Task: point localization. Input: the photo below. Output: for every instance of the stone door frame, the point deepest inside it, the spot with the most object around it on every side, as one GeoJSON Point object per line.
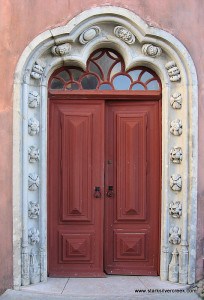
{"type": "Point", "coordinates": [140, 45]}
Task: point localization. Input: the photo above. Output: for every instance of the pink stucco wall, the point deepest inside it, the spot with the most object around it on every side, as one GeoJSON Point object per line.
{"type": "Point", "coordinates": [23, 20]}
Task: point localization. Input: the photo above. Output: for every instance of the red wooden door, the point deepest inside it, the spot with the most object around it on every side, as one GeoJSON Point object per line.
{"type": "Point", "coordinates": [133, 172]}
{"type": "Point", "coordinates": [76, 167]}
{"type": "Point", "coordinates": [77, 221]}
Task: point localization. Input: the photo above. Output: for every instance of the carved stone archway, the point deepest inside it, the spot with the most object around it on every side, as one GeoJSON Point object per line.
{"type": "Point", "coordinates": [139, 44]}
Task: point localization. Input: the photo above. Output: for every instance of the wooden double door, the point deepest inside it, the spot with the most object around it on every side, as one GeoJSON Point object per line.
{"type": "Point", "coordinates": [103, 187]}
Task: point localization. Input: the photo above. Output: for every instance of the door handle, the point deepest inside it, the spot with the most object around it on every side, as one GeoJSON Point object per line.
{"type": "Point", "coordinates": [110, 192]}
{"type": "Point", "coordinates": [97, 192]}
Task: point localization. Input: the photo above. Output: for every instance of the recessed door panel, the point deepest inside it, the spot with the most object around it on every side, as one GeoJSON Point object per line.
{"type": "Point", "coordinates": [76, 167]}
{"type": "Point", "coordinates": [133, 170]}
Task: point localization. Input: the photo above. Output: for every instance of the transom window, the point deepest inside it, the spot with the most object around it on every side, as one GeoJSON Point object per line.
{"type": "Point", "coordinates": [105, 71]}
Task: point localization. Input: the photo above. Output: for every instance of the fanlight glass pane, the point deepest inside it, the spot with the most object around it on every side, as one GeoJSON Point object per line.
{"type": "Point", "coordinates": [146, 76]}
{"type": "Point", "coordinates": [153, 85]}
{"type": "Point", "coordinates": [135, 74]}
{"type": "Point", "coordinates": [64, 75]}
{"type": "Point", "coordinates": [76, 74]}
{"type": "Point", "coordinates": [121, 82]}
{"type": "Point", "coordinates": [93, 68]}
{"type": "Point", "coordinates": [72, 86]}
{"type": "Point", "coordinates": [57, 84]}
{"type": "Point", "coordinates": [89, 82]}
{"type": "Point", "coordinates": [105, 87]}
{"type": "Point", "coordinates": [138, 87]}
{"type": "Point", "coordinates": [105, 62]}
{"type": "Point", "coordinates": [116, 69]}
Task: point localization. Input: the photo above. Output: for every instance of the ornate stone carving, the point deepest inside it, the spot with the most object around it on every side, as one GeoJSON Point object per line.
{"type": "Point", "coordinates": [176, 155]}
{"type": "Point", "coordinates": [33, 99]}
{"type": "Point", "coordinates": [37, 71]}
{"type": "Point", "coordinates": [174, 267]}
{"type": "Point", "coordinates": [33, 154]}
{"type": "Point", "coordinates": [124, 34]}
{"type": "Point", "coordinates": [34, 236]}
{"type": "Point", "coordinates": [89, 34]}
{"type": "Point", "coordinates": [61, 50]}
{"type": "Point", "coordinates": [34, 268]}
{"type": "Point", "coordinates": [33, 181]}
{"type": "Point", "coordinates": [151, 50]}
{"type": "Point", "coordinates": [173, 71]}
{"type": "Point", "coordinates": [176, 100]}
{"type": "Point", "coordinates": [33, 210]}
{"type": "Point", "coordinates": [175, 209]}
{"type": "Point", "coordinates": [176, 182]}
{"type": "Point", "coordinates": [33, 126]}
{"type": "Point", "coordinates": [176, 127]}
{"type": "Point", "coordinates": [175, 235]}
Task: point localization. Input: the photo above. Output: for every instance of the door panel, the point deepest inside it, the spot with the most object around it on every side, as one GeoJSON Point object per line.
{"type": "Point", "coordinates": [76, 166]}
{"type": "Point", "coordinates": [133, 169]}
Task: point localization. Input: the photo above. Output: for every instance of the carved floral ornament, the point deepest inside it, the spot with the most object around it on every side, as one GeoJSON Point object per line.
{"type": "Point", "coordinates": [89, 34]}
{"type": "Point", "coordinates": [176, 100]}
{"type": "Point", "coordinates": [33, 181]}
{"type": "Point", "coordinates": [33, 154]}
{"type": "Point", "coordinates": [175, 235]}
{"type": "Point", "coordinates": [176, 127]}
{"type": "Point", "coordinates": [175, 209]}
{"type": "Point", "coordinates": [173, 71]}
{"type": "Point", "coordinates": [33, 126]}
{"type": "Point", "coordinates": [33, 99]}
{"type": "Point", "coordinates": [33, 210]}
{"type": "Point", "coordinates": [34, 236]}
{"type": "Point", "coordinates": [37, 70]}
{"type": "Point", "coordinates": [176, 155]}
{"type": "Point", "coordinates": [151, 50]}
{"type": "Point", "coordinates": [176, 182]}
{"type": "Point", "coordinates": [124, 34]}
{"type": "Point", "coordinates": [61, 50]}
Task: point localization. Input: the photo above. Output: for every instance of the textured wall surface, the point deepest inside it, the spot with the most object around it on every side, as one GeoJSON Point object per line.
{"type": "Point", "coordinates": [21, 21]}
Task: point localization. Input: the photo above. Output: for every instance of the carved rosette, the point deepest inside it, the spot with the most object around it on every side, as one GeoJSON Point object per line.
{"type": "Point", "coordinates": [34, 268]}
{"type": "Point", "coordinates": [175, 209]}
{"type": "Point", "coordinates": [124, 34]}
{"type": "Point", "coordinates": [151, 50]}
{"type": "Point", "coordinates": [176, 182]}
{"type": "Point", "coordinates": [176, 155]}
{"type": "Point", "coordinates": [176, 100]}
{"type": "Point", "coordinates": [33, 210]}
{"type": "Point", "coordinates": [34, 236]}
{"type": "Point", "coordinates": [176, 127]}
{"type": "Point", "coordinates": [33, 154]}
{"type": "Point", "coordinates": [33, 181]}
{"type": "Point", "coordinates": [174, 267]}
{"type": "Point", "coordinates": [61, 50]}
{"type": "Point", "coordinates": [33, 126]}
{"type": "Point", "coordinates": [37, 71]}
{"type": "Point", "coordinates": [33, 99]}
{"type": "Point", "coordinates": [173, 71]}
{"type": "Point", "coordinates": [89, 34]}
{"type": "Point", "coordinates": [175, 235]}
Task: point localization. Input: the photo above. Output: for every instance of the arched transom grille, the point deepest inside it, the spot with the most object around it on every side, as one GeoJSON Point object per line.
{"type": "Point", "coordinates": [105, 71]}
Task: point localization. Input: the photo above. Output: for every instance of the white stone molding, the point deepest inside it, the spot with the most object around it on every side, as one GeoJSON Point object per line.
{"type": "Point", "coordinates": [176, 182]}
{"type": "Point", "coordinates": [33, 154]}
{"type": "Point", "coordinates": [175, 209]}
{"type": "Point", "coordinates": [173, 71]}
{"type": "Point", "coordinates": [33, 99]}
{"type": "Point", "coordinates": [33, 126]}
{"type": "Point", "coordinates": [174, 267]}
{"type": "Point", "coordinates": [151, 50]}
{"type": "Point", "coordinates": [176, 127]}
{"type": "Point", "coordinates": [89, 34]}
{"type": "Point", "coordinates": [176, 100]}
{"type": "Point", "coordinates": [37, 71]}
{"type": "Point", "coordinates": [61, 50]}
{"type": "Point", "coordinates": [34, 236]}
{"type": "Point", "coordinates": [34, 268]}
{"type": "Point", "coordinates": [33, 181]}
{"type": "Point", "coordinates": [124, 34]}
{"type": "Point", "coordinates": [33, 210]}
{"type": "Point", "coordinates": [38, 62]}
{"type": "Point", "coordinates": [175, 235]}
{"type": "Point", "coordinates": [176, 155]}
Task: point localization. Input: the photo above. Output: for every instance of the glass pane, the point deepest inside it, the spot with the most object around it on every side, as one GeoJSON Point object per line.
{"type": "Point", "coordinates": [121, 82]}
{"type": "Point", "coordinates": [89, 82]}
{"type": "Point", "coordinates": [106, 87]}
{"type": "Point", "coordinates": [97, 54]}
{"type": "Point", "coordinates": [56, 84]}
{"type": "Point", "coordinates": [138, 87]}
{"type": "Point", "coordinates": [72, 86]}
{"type": "Point", "coordinates": [105, 62]}
{"type": "Point", "coordinates": [64, 75]}
{"type": "Point", "coordinates": [146, 76]}
{"type": "Point", "coordinates": [113, 55]}
{"type": "Point", "coordinates": [93, 68]}
{"type": "Point", "coordinates": [116, 69]}
{"type": "Point", "coordinates": [135, 74]}
{"type": "Point", "coordinates": [153, 85]}
{"type": "Point", "coordinates": [76, 74]}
